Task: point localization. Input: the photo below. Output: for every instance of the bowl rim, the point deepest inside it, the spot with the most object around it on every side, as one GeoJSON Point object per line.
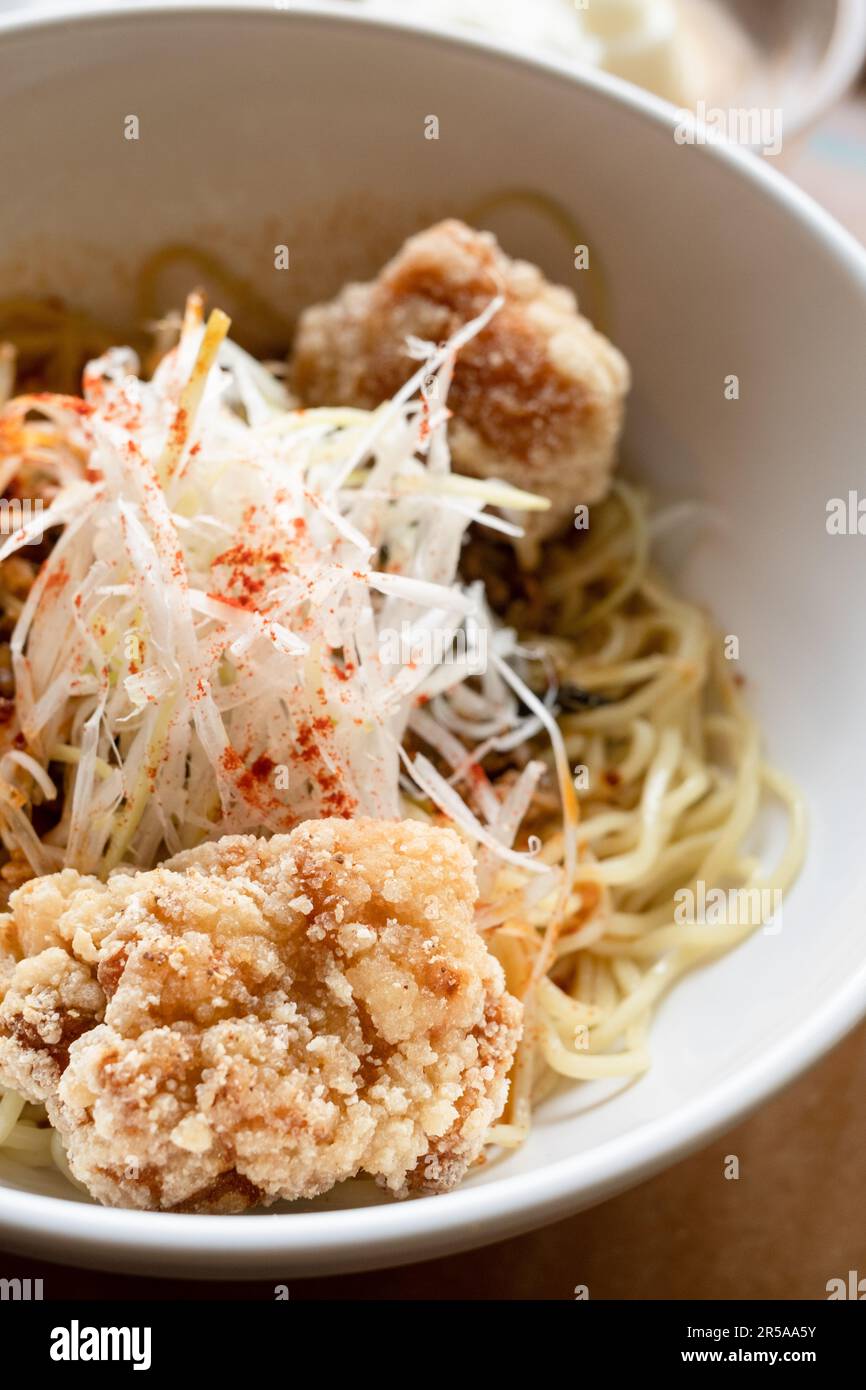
{"type": "Point", "coordinates": [839, 65]}
{"type": "Point", "coordinates": [369, 1237]}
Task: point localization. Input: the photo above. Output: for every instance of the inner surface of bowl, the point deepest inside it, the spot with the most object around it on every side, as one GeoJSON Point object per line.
{"type": "Point", "coordinates": [261, 129]}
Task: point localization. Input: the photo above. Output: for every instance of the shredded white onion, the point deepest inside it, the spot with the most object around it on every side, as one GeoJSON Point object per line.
{"type": "Point", "coordinates": [247, 607]}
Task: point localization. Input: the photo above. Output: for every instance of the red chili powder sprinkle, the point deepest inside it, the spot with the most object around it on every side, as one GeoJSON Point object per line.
{"type": "Point", "coordinates": [58, 579]}
{"type": "Point", "coordinates": [335, 801]}
{"type": "Point", "coordinates": [69, 402]}
{"type": "Point", "coordinates": [232, 602]}
{"type": "Point", "coordinates": [231, 760]}
{"type": "Point", "coordinates": [178, 424]}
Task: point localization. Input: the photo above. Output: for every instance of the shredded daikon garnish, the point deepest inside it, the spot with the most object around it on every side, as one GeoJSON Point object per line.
{"type": "Point", "coordinates": [246, 606]}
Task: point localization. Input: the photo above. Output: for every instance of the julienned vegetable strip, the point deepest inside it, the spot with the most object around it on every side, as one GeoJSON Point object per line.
{"type": "Point", "coordinates": [218, 540]}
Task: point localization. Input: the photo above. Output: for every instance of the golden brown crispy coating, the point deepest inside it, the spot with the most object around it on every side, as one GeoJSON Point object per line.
{"type": "Point", "coordinates": [48, 993]}
{"type": "Point", "coordinates": [263, 1018]}
{"type": "Point", "coordinates": [537, 396]}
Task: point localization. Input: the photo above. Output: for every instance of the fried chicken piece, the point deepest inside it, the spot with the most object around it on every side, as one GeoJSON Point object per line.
{"type": "Point", "coordinates": [537, 396]}
{"type": "Point", "coordinates": [261, 1019]}
{"type": "Point", "coordinates": [49, 994]}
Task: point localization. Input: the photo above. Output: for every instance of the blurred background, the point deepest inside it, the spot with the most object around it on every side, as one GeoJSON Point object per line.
{"type": "Point", "coordinates": [801, 59]}
{"type": "Point", "coordinates": [795, 1217]}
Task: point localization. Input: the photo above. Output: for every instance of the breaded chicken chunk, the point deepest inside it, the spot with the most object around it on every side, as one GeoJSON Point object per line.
{"type": "Point", "coordinates": [260, 1019]}
{"type": "Point", "coordinates": [537, 396]}
{"type": "Point", "coordinates": [49, 994]}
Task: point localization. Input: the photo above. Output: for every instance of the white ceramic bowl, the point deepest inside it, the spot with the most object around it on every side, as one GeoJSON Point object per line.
{"type": "Point", "coordinates": [260, 127]}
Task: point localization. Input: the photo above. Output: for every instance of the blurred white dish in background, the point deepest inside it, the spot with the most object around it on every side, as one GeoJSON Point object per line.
{"type": "Point", "coordinates": [643, 41]}
{"type": "Point", "coordinates": [797, 55]}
